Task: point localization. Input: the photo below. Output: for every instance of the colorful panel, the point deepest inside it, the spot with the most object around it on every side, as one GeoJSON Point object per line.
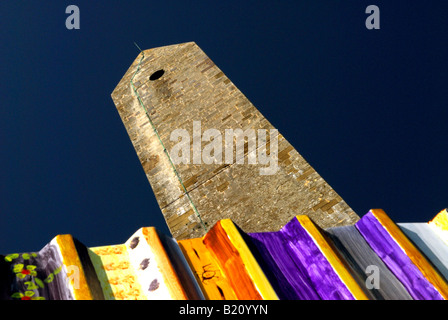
{"type": "Point", "coordinates": [308, 264]}
{"type": "Point", "coordinates": [235, 259]}
{"type": "Point", "coordinates": [427, 241]}
{"type": "Point", "coordinates": [116, 273]}
{"type": "Point", "coordinates": [182, 268]}
{"type": "Point", "coordinates": [360, 256]}
{"type": "Point", "coordinates": [401, 257]}
{"type": "Point", "coordinates": [169, 279]}
{"type": "Point", "coordinates": [440, 225]}
{"type": "Point", "coordinates": [83, 276]}
{"type": "Point", "coordinates": [213, 282]}
{"type": "Point", "coordinates": [332, 257]}
{"type": "Point", "coordinates": [140, 269]}
{"type": "Point", "coordinates": [289, 278]}
{"type": "Point", "coordinates": [57, 272]}
{"type": "Point", "coordinates": [70, 259]}
{"type": "Point", "coordinates": [35, 276]}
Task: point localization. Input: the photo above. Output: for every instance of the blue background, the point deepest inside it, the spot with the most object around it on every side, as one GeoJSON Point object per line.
{"type": "Point", "coordinates": [366, 108]}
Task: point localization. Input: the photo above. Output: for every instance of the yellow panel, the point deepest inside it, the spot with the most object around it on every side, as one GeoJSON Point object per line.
{"type": "Point", "coordinates": [170, 277]}
{"type": "Point", "coordinates": [412, 252]}
{"type": "Point", "coordinates": [116, 274]}
{"type": "Point", "coordinates": [212, 280]}
{"type": "Point", "coordinates": [337, 264]}
{"type": "Point", "coordinates": [70, 258]}
{"type": "Point", "coordinates": [261, 282]}
{"type": "Point", "coordinates": [440, 225]}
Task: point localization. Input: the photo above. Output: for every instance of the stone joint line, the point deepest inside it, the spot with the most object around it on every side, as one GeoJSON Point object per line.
{"type": "Point", "coordinates": [163, 146]}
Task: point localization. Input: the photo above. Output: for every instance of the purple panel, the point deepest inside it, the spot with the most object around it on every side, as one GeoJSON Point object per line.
{"type": "Point", "coordinates": [286, 277]}
{"type": "Point", "coordinates": [295, 254]}
{"type": "Point", "coordinates": [395, 259]}
{"type": "Point", "coordinates": [302, 249]}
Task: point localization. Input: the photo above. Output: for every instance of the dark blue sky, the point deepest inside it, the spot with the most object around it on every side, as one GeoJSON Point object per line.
{"type": "Point", "coordinates": [366, 108]}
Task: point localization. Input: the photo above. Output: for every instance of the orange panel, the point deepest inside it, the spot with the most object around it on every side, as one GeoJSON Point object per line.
{"type": "Point", "coordinates": [230, 262]}
{"type": "Point", "coordinates": [213, 282]}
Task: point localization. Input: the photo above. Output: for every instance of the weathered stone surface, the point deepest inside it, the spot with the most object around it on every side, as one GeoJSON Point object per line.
{"type": "Point", "coordinates": [192, 89]}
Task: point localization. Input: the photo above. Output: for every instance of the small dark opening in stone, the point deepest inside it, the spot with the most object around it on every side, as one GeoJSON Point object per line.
{"type": "Point", "coordinates": [156, 75]}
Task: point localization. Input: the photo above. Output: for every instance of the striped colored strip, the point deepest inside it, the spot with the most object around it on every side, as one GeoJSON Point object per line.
{"type": "Point", "coordinates": [235, 259]}
{"type": "Point", "coordinates": [79, 286]}
{"type": "Point", "coordinates": [373, 275]}
{"type": "Point", "coordinates": [251, 264]}
{"type": "Point", "coordinates": [401, 256]}
{"type": "Point", "coordinates": [288, 276]}
{"type": "Point", "coordinates": [333, 259]}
